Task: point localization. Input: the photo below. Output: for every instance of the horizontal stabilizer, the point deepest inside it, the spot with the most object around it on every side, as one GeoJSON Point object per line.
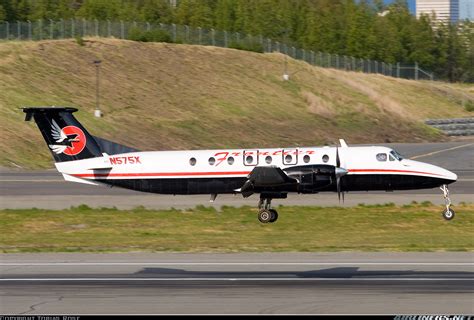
{"type": "Point", "coordinates": [71, 178]}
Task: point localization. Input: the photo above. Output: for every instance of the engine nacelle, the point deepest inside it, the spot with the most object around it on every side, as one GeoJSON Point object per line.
{"type": "Point", "coordinates": [313, 178]}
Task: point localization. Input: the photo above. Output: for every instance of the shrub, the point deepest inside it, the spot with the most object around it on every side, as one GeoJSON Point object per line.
{"type": "Point", "coordinates": [157, 35]}
{"type": "Point", "coordinates": [80, 41]}
{"type": "Point", "coordinates": [469, 105]}
{"type": "Point", "coordinates": [252, 46]}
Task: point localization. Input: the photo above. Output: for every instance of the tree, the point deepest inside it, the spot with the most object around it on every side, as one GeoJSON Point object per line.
{"type": "Point", "coordinates": [452, 53]}
{"type": "Point", "coordinates": [387, 44]}
{"type": "Point", "coordinates": [3, 14]}
{"type": "Point", "coordinates": [100, 9]}
{"type": "Point", "coordinates": [157, 11]}
{"type": "Point", "coordinates": [326, 26]}
{"type": "Point", "coordinates": [360, 35]}
{"type": "Point", "coordinates": [45, 9]}
{"type": "Point", "coordinates": [243, 16]}
{"type": "Point", "coordinates": [401, 20]}
{"type": "Point", "coordinates": [467, 38]}
{"type": "Point", "coordinates": [423, 43]}
{"type": "Point", "coordinates": [196, 13]}
{"type": "Point", "coordinates": [225, 15]}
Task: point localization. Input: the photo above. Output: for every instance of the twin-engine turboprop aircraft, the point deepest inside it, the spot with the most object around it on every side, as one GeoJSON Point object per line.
{"type": "Point", "coordinates": [271, 173]}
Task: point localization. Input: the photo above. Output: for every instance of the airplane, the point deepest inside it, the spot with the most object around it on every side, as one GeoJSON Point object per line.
{"type": "Point", "coordinates": [271, 173]}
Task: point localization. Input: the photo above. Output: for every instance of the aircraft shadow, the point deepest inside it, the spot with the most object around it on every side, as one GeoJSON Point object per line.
{"type": "Point", "coordinates": [338, 272]}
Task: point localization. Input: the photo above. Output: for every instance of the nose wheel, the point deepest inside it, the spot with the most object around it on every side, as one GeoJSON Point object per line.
{"type": "Point", "coordinates": [266, 214]}
{"type": "Point", "coordinates": [448, 213]}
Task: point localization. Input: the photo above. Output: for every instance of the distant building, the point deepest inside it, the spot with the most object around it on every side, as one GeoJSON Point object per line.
{"type": "Point", "coordinates": [444, 11]}
{"type": "Point", "coordinates": [466, 9]}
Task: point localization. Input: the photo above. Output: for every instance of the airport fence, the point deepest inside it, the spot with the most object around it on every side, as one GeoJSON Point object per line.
{"type": "Point", "coordinates": [73, 28]}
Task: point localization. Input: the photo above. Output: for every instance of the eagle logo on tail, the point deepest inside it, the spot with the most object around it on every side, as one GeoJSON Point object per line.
{"type": "Point", "coordinates": [70, 140]}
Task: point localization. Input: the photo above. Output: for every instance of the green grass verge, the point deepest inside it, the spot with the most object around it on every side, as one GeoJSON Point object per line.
{"type": "Point", "coordinates": [415, 227]}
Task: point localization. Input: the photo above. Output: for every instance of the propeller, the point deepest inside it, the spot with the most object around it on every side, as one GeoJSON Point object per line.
{"type": "Point", "coordinates": [339, 173]}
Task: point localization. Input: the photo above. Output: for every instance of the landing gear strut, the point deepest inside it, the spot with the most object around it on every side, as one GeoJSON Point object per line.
{"type": "Point", "coordinates": [448, 213]}
{"type": "Point", "coordinates": [266, 214]}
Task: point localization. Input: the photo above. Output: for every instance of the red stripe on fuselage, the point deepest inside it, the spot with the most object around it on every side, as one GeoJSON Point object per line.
{"type": "Point", "coordinates": [159, 174]}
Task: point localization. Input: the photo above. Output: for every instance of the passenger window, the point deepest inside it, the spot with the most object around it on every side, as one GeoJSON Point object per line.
{"type": "Point", "coordinates": [192, 161]}
{"type": "Point", "coordinates": [212, 160]}
{"type": "Point", "coordinates": [268, 160]}
{"type": "Point", "coordinates": [249, 159]}
{"type": "Point", "coordinates": [381, 156]}
{"type": "Point", "coordinates": [306, 159]}
{"type": "Point", "coordinates": [288, 158]}
{"type": "Point", "coordinates": [230, 160]}
{"type": "Point", "coordinates": [325, 158]}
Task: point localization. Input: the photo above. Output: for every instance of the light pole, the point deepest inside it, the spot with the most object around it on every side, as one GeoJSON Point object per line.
{"type": "Point", "coordinates": [286, 76]}
{"type": "Point", "coordinates": [97, 112]}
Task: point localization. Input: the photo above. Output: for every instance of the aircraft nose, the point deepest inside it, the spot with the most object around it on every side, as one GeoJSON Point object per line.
{"type": "Point", "coordinates": [451, 175]}
{"type": "Point", "coordinates": [448, 175]}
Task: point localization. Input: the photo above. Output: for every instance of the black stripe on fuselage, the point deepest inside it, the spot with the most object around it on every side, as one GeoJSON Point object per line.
{"type": "Point", "coordinates": [359, 182]}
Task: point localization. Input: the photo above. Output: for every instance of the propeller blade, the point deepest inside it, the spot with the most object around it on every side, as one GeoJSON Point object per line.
{"type": "Point", "coordinates": [339, 173]}
{"type": "Point", "coordinates": [338, 186]}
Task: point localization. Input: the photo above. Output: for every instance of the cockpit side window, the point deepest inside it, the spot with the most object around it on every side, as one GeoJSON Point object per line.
{"type": "Point", "coordinates": [381, 156]}
{"type": "Point", "coordinates": [396, 155]}
{"type": "Point", "coordinates": [391, 157]}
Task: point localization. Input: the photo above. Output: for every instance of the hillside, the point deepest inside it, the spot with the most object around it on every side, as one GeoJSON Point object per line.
{"type": "Point", "coordinates": [167, 96]}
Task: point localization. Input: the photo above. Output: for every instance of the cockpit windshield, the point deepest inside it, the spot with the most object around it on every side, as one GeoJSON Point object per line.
{"type": "Point", "coordinates": [396, 155]}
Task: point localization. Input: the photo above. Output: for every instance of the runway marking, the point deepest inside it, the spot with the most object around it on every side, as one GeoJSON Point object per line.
{"type": "Point", "coordinates": [235, 279]}
{"type": "Point", "coordinates": [237, 263]}
{"type": "Point", "coordinates": [439, 151]}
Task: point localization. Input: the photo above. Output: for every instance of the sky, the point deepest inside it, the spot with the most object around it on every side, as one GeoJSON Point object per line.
{"type": "Point", "coordinates": [466, 7]}
{"type": "Point", "coordinates": [411, 5]}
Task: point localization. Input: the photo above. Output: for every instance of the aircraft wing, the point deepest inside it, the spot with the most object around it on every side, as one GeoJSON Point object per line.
{"type": "Point", "coordinates": [261, 177]}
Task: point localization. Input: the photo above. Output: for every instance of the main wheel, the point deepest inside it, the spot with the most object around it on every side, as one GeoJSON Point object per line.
{"type": "Point", "coordinates": [264, 216]}
{"type": "Point", "coordinates": [274, 215]}
{"type": "Point", "coordinates": [448, 214]}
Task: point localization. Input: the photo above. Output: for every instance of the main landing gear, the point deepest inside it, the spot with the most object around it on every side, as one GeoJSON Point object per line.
{"type": "Point", "coordinates": [266, 214]}
{"type": "Point", "coordinates": [448, 213]}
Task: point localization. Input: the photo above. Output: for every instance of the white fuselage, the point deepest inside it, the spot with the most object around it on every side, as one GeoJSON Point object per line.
{"type": "Point", "coordinates": [238, 163]}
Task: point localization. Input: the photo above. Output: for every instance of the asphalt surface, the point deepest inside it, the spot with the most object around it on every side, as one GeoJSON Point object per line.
{"type": "Point", "coordinates": [47, 189]}
{"type": "Point", "coordinates": [276, 283]}
{"type": "Point", "coordinates": [252, 283]}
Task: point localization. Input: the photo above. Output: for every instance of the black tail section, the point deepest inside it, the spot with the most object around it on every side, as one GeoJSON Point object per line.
{"type": "Point", "coordinates": [66, 138]}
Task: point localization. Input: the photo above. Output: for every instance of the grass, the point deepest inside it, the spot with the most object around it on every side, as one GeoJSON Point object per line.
{"type": "Point", "coordinates": [415, 227]}
{"type": "Point", "coordinates": [158, 96]}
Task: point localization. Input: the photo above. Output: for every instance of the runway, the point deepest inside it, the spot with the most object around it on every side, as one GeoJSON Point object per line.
{"type": "Point", "coordinates": [47, 189]}
{"type": "Point", "coordinates": [244, 283]}
{"type": "Point", "coordinates": [241, 283]}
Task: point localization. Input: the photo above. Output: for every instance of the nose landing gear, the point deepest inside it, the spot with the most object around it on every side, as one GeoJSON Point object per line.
{"type": "Point", "coordinates": [448, 213]}
{"type": "Point", "coordinates": [266, 214]}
